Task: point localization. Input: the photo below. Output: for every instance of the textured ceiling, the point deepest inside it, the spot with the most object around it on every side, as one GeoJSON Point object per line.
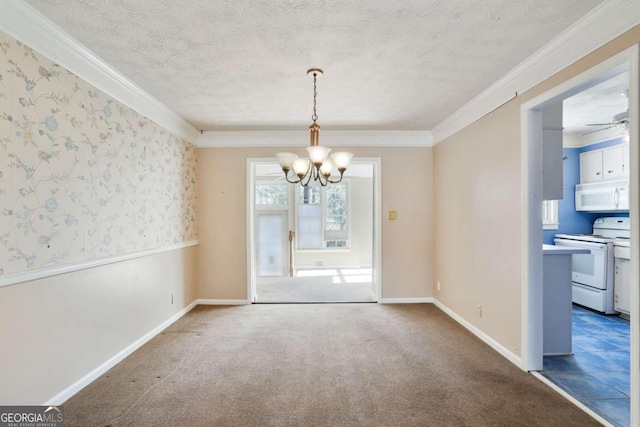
{"type": "Point", "coordinates": [241, 64]}
{"type": "Point", "coordinates": [596, 105]}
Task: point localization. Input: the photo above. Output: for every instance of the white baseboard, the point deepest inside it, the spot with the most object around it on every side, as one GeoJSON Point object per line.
{"type": "Point", "coordinates": [421, 300]}
{"type": "Point", "coordinates": [513, 358]}
{"type": "Point", "coordinates": [65, 394]}
{"type": "Point", "coordinates": [571, 399]}
{"type": "Point", "coordinates": [222, 302]}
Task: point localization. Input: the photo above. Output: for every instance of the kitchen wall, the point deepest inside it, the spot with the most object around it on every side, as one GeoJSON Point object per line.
{"type": "Point", "coordinates": [83, 178]}
{"type": "Point", "coordinates": [407, 243]}
{"type": "Point", "coordinates": [571, 221]}
{"type": "Point", "coordinates": [478, 211]}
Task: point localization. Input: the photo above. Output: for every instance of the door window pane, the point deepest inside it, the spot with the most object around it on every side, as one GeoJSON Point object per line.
{"type": "Point", "coordinates": [272, 194]}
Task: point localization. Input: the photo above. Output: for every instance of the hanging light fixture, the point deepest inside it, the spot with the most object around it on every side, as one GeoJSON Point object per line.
{"type": "Point", "coordinates": [318, 166]}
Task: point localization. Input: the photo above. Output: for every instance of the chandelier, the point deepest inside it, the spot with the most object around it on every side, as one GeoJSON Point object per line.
{"type": "Point", "coordinates": [318, 167]}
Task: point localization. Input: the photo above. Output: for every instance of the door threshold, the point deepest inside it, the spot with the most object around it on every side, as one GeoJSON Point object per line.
{"type": "Point", "coordinates": [314, 302]}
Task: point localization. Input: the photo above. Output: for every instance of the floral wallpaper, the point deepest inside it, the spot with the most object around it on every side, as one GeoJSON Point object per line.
{"type": "Point", "coordinates": [81, 175]}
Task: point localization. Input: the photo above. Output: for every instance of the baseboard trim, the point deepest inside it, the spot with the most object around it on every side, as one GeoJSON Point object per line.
{"type": "Point", "coordinates": [506, 353]}
{"type": "Point", "coordinates": [571, 399]}
{"type": "Point", "coordinates": [74, 388]}
{"type": "Point", "coordinates": [222, 302]}
{"type": "Point", "coordinates": [421, 300]}
{"type": "Point", "coordinates": [41, 273]}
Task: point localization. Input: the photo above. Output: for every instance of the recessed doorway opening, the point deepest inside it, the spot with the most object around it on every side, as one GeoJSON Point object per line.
{"type": "Point", "coordinates": [598, 350]}
{"type": "Point", "coordinates": [313, 243]}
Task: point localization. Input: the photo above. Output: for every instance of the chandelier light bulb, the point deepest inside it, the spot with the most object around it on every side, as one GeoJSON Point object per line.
{"type": "Point", "coordinates": [342, 159]}
{"type": "Point", "coordinates": [301, 166]}
{"type": "Point", "coordinates": [286, 159]}
{"type": "Point", "coordinates": [318, 154]}
{"type": "Point", "coordinates": [327, 167]}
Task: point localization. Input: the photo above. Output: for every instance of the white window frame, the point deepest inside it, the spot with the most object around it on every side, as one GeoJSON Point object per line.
{"type": "Point", "coordinates": [323, 204]}
{"type": "Point", "coordinates": [550, 215]}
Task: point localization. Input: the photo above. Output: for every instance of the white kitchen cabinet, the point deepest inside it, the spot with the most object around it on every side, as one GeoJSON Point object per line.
{"type": "Point", "coordinates": [622, 278]}
{"type": "Point", "coordinates": [591, 166]}
{"type": "Point", "coordinates": [622, 286]}
{"type": "Point", "coordinates": [552, 164]}
{"type": "Point", "coordinates": [613, 162]}
{"type": "Point", "coordinates": [608, 164]}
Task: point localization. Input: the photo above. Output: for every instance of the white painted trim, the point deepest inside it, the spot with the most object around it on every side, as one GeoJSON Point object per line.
{"type": "Point", "coordinates": [601, 136]}
{"type": "Point", "coordinates": [24, 23]}
{"type": "Point", "coordinates": [74, 388]}
{"type": "Point", "coordinates": [571, 399]}
{"type": "Point", "coordinates": [41, 273]}
{"type": "Point", "coordinates": [531, 161]}
{"type": "Point", "coordinates": [331, 138]}
{"type": "Point", "coordinates": [513, 358]}
{"type": "Point", "coordinates": [202, 301]}
{"type": "Point", "coordinates": [420, 300]}
{"type": "Point", "coordinates": [376, 271]}
{"type": "Point", "coordinates": [634, 214]}
{"type": "Point", "coordinates": [604, 23]}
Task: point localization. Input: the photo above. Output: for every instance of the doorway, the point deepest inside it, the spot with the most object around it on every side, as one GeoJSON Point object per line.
{"type": "Point", "coordinates": [534, 180]}
{"type": "Point", "coordinates": [313, 244]}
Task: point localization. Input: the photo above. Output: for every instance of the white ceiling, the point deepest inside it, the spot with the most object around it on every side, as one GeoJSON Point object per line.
{"type": "Point", "coordinates": [596, 105]}
{"type": "Point", "coordinates": [241, 64]}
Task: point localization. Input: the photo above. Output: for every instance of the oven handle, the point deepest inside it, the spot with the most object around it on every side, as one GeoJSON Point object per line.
{"type": "Point", "coordinates": [579, 244]}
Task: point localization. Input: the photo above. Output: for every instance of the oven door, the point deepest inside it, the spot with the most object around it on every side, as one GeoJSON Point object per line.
{"type": "Point", "coordinates": [588, 269]}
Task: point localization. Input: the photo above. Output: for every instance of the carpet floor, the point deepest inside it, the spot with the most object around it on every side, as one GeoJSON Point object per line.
{"type": "Point", "coordinates": [318, 365]}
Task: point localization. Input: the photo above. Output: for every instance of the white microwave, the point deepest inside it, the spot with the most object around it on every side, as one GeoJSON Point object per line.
{"type": "Point", "coordinates": [607, 196]}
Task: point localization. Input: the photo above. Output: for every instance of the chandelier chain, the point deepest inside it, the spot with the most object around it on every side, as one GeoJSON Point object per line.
{"type": "Point", "coordinates": [315, 94]}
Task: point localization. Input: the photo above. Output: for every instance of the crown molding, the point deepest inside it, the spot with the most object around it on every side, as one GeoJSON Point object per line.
{"type": "Point", "coordinates": [602, 135]}
{"type": "Point", "coordinates": [604, 23]}
{"type": "Point", "coordinates": [24, 23]}
{"type": "Point", "coordinates": [333, 138]}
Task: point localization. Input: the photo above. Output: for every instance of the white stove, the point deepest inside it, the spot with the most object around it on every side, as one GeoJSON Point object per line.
{"type": "Point", "coordinates": [586, 238]}
{"type": "Point", "coordinates": [592, 275]}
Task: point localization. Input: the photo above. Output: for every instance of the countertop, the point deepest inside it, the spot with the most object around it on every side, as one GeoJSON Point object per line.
{"type": "Point", "coordinates": [563, 250]}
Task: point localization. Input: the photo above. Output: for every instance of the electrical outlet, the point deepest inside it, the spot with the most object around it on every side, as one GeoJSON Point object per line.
{"type": "Point", "coordinates": [479, 310]}
{"type": "Point", "coordinates": [438, 286]}
{"type": "Point", "coordinates": [172, 298]}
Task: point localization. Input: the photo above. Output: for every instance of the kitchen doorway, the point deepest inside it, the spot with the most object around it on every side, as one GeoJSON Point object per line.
{"type": "Point", "coordinates": [535, 163]}
{"type": "Point", "coordinates": [313, 244]}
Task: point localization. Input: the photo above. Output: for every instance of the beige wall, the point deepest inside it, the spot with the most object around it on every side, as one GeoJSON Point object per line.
{"type": "Point", "coordinates": [407, 250]}
{"type": "Point", "coordinates": [478, 211]}
{"type": "Point", "coordinates": [54, 331]}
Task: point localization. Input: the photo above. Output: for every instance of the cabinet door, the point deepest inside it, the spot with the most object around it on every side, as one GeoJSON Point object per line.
{"type": "Point", "coordinates": [622, 286]}
{"type": "Point", "coordinates": [552, 164]}
{"type": "Point", "coordinates": [625, 160]}
{"type": "Point", "coordinates": [613, 162]}
{"type": "Point", "coordinates": [591, 166]}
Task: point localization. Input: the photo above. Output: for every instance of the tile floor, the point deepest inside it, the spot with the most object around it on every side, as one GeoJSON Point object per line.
{"type": "Point", "coordinates": [598, 373]}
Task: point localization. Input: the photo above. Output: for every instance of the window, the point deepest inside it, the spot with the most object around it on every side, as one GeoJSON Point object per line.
{"type": "Point", "coordinates": [550, 214]}
{"type": "Point", "coordinates": [323, 217]}
{"type": "Point", "coordinates": [272, 194]}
